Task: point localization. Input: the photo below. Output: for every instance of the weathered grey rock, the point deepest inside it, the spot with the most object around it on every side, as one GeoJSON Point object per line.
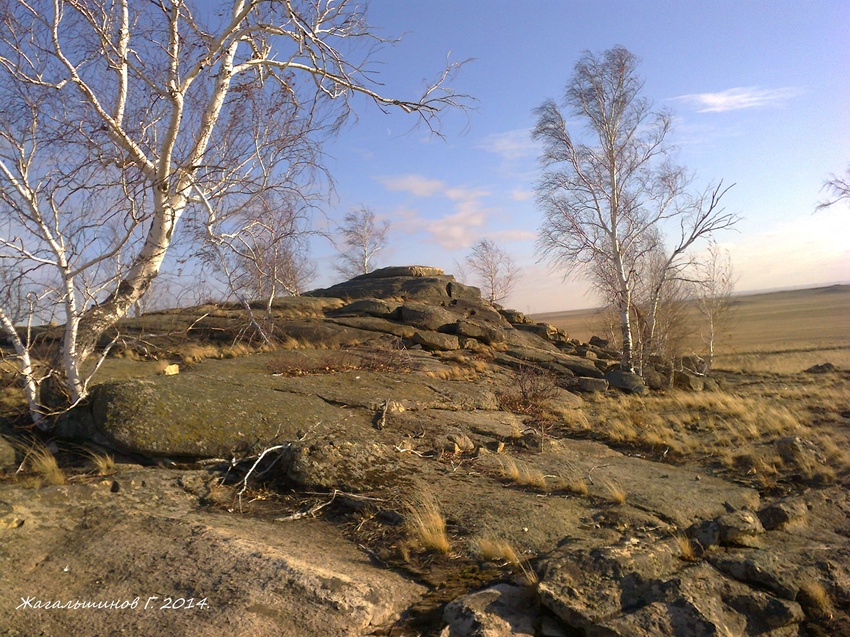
{"type": "Point", "coordinates": [627, 381]}
{"type": "Point", "coordinates": [427, 317]}
{"type": "Point", "coordinates": [325, 334]}
{"type": "Point", "coordinates": [353, 466]}
{"type": "Point", "coordinates": [432, 289]}
{"type": "Point", "coordinates": [402, 270]}
{"type": "Point", "coordinates": [436, 341]}
{"type": "Point", "coordinates": [655, 379]}
{"type": "Point", "coordinates": [149, 540]}
{"type": "Point", "coordinates": [783, 512]}
{"type": "Point", "coordinates": [461, 292]}
{"type": "Point", "coordinates": [514, 317]}
{"type": "Point", "coordinates": [582, 383]}
{"type": "Point", "coordinates": [375, 324]}
{"type": "Point", "coordinates": [542, 330]}
{"type": "Point", "coordinates": [688, 381]}
{"type": "Point", "coordinates": [369, 307]}
{"type": "Point", "coordinates": [479, 330]}
{"type": "Point", "coordinates": [193, 415]}
{"type": "Point", "coordinates": [503, 610]}
{"type": "Point", "coordinates": [7, 455]}
{"type": "Point", "coordinates": [598, 342]}
{"type": "Point", "coordinates": [638, 589]}
{"type": "Point", "coordinates": [580, 366]}
{"type": "Point", "coordinates": [760, 568]}
{"type": "Point", "coordinates": [739, 528]}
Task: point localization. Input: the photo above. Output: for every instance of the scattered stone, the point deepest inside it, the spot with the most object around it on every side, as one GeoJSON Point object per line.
{"type": "Point", "coordinates": [783, 512]}
{"type": "Point", "coordinates": [503, 610]}
{"type": "Point", "coordinates": [688, 381]}
{"type": "Point", "coordinates": [627, 381]}
{"type": "Point", "coordinates": [171, 370]}
{"type": "Point", "coordinates": [739, 528]}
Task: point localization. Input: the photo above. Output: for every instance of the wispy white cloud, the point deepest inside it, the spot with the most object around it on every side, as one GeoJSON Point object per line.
{"type": "Point", "coordinates": [510, 145]}
{"type": "Point", "coordinates": [738, 98]}
{"type": "Point", "coordinates": [417, 185]}
{"type": "Point", "coordinates": [521, 194]}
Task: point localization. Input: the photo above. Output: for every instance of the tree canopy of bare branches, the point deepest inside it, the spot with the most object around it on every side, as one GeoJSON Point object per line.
{"type": "Point", "coordinates": [607, 202]}
{"type": "Point", "coordinates": [838, 189]}
{"type": "Point", "coordinates": [122, 121]}
{"type": "Point", "coordinates": [494, 270]}
{"type": "Point", "coordinates": [362, 238]}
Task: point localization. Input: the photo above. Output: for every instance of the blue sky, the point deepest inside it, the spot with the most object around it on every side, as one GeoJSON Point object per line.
{"type": "Point", "coordinates": [760, 91]}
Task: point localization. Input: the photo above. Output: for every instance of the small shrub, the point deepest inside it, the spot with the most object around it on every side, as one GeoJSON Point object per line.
{"type": "Point", "coordinates": [535, 387]}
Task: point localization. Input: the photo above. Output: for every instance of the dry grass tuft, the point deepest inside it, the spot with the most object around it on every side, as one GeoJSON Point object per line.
{"type": "Point", "coordinates": [531, 477]}
{"type": "Point", "coordinates": [578, 486]}
{"type": "Point", "coordinates": [103, 463]}
{"type": "Point", "coordinates": [426, 525]}
{"type": "Point", "coordinates": [493, 549]}
{"type": "Point", "coordinates": [521, 473]}
{"type": "Point", "coordinates": [509, 468]}
{"type": "Point", "coordinates": [40, 461]}
{"type": "Point", "coordinates": [685, 547]}
{"type": "Point", "coordinates": [196, 352]}
{"type": "Point", "coordinates": [814, 596]}
{"type": "Point", "coordinates": [616, 493]}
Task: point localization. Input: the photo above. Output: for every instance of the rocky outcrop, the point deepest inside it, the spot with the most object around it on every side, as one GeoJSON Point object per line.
{"type": "Point", "coordinates": [396, 383]}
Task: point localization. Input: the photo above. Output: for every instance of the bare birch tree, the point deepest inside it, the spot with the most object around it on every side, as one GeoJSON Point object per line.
{"type": "Point", "coordinates": [607, 202]}
{"type": "Point", "coordinates": [362, 238]}
{"type": "Point", "coordinates": [713, 288]}
{"type": "Point", "coordinates": [140, 115]}
{"type": "Point", "coordinates": [493, 269]}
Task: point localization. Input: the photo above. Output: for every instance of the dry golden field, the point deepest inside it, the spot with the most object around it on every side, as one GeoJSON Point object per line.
{"type": "Point", "coordinates": [782, 332]}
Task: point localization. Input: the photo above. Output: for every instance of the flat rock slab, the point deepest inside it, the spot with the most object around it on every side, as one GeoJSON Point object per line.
{"type": "Point", "coordinates": [87, 543]}
{"type": "Point", "coordinates": [677, 496]}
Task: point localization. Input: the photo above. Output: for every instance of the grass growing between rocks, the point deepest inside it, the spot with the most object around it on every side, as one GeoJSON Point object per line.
{"type": "Point", "coordinates": [40, 461]}
{"type": "Point", "coordinates": [735, 430]}
{"type": "Point", "coordinates": [426, 525]}
{"type": "Point", "coordinates": [493, 549]}
{"type": "Point", "coordinates": [102, 463]}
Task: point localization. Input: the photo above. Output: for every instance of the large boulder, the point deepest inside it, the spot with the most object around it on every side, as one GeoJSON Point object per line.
{"type": "Point", "coordinates": [627, 381]}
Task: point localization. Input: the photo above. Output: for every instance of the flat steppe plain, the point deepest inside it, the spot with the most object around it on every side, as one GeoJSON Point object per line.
{"type": "Point", "coordinates": [782, 331]}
